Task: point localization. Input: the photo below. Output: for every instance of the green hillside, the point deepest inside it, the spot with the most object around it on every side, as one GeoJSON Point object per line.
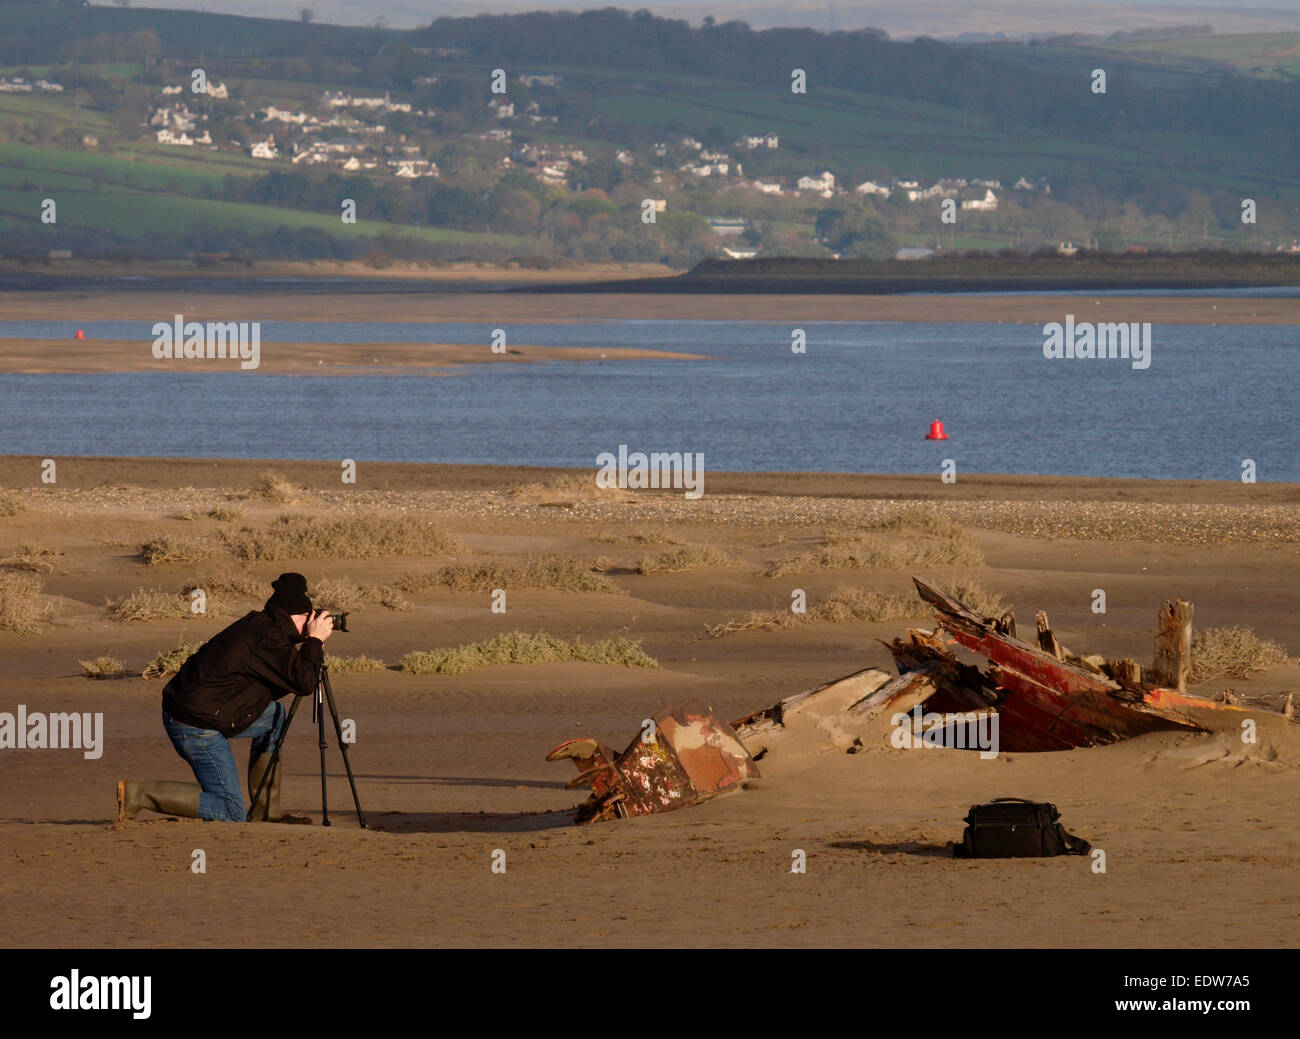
{"type": "Point", "coordinates": [1164, 157]}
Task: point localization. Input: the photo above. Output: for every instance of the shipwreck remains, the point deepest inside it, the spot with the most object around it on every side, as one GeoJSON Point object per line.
{"type": "Point", "coordinates": [685, 754]}
{"type": "Point", "coordinates": [1043, 698]}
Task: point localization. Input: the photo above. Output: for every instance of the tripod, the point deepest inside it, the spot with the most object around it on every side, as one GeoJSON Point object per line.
{"type": "Point", "coordinates": [324, 698]}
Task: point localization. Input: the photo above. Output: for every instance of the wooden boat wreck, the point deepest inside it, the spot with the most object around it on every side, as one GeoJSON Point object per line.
{"type": "Point", "coordinates": [1044, 697]}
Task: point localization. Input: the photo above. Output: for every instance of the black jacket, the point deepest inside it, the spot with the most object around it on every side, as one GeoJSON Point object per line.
{"type": "Point", "coordinates": [236, 674]}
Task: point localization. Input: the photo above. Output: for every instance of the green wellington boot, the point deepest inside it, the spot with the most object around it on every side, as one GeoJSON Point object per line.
{"type": "Point", "coordinates": [163, 796]}
{"type": "Point", "coordinates": [267, 808]}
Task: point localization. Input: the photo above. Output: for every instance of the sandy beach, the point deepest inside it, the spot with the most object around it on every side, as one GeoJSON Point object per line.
{"type": "Point", "coordinates": [1201, 834]}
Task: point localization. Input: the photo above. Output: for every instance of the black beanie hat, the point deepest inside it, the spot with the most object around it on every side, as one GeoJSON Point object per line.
{"type": "Point", "coordinates": [290, 594]}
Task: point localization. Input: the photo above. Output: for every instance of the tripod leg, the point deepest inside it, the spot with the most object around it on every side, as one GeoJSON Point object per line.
{"type": "Point", "coordinates": [320, 725]}
{"type": "Point", "coordinates": [338, 732]}
{"type": "Point", "coordinates": [275, 758]}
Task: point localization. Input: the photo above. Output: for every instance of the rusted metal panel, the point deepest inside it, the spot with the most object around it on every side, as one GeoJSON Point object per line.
{"type": "Point", "coordinates": [688, 755]}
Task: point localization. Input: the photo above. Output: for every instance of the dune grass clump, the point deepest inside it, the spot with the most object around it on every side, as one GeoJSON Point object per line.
{"type": "Point", "coordinates": [102, 667]}
{"type": "Point", "coordinates": [22, 604]}
{"type": "Point", "coordinates": [169, 661]}
{"type": "Point", "coordinates": [229, 582]}
{"type": "Point", "coordinates": [148, 604]}
{"type": "Point", "coordinates": [277, 489]}
{"type": "Point", "coordinates": [683, 559]}
{"type": "Point", "coordinates": [224, 514]}
{"type": "Point", "coordinates": [353, 665]}
{"type": "Point", "coordinates": [168, 549]}
{"type": "Point", "coordinates": [1232, 653]}
{"type": "Point", "coordinates": [537, 571]}
{"type": "Point", "coordinates": [519, 647]}
{"type": "Point", "coordinates": [34, 558]}
{"type": "Point", "coordinates": [918, 518]}
{"type": "Point", "coordinates": [847, 603]}
{"type": "Point", "coordinates": [296, 536]}
{"type": "Point", "coordinates": [567, 490]}
{"type": "Point", "coordinates": [975, 597]}
{"type": "Point", "coordinates": [851, 551]}
{"type": "Point", "coordinates": [10, 505]}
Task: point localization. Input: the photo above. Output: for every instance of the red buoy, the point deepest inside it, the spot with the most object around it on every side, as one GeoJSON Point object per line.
{"type": "Point", "coordinates": [936, 431]}
{"type": "Point", "coordinates": [80, 334]}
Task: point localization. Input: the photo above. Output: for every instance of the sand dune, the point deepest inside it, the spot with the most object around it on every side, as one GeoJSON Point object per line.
{"type": "Point", "coordinates": [1200, 832]}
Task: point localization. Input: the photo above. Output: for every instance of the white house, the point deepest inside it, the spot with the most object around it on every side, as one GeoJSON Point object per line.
{"type": "Point", "coordinates": [870, 187]}
{"type": "Point", "coordinates": [501, 108]}
{"type": "Point", "coordinates": [986, 204]}
{"type": "Point", "coordinates": [767, 187]}
{"type": "Point", "coordinates": [218, 90]}
{"type": "Point", "coordinates": [283, 115]}
{"type": "Point", "coordinates": [265, 149]}
{"type": "Point", "coordinates": [174, 137]}
{"type": "Point", "coordinates": [49, 86]}
{"type": "Point", "coordinates": [771, 140]}
{"type": "Point", "coordinates": [825, 183]}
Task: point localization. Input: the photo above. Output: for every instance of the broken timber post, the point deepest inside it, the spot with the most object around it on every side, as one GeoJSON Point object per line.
{"type": "Point", "coordinates": [1173, 645]}
{"type": "Point", "coordinates": [1046, 640]}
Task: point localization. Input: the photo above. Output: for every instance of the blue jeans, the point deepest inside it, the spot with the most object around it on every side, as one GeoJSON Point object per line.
{"type": "Point", "coordinates": [209, 755]}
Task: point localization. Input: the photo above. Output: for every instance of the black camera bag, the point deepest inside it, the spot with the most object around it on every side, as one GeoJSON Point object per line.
{"type": "Point", "coordinates": [1013, 827]}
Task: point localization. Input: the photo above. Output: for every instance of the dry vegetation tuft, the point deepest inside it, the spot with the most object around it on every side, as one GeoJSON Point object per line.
{"type": "Point", "coordinates": [353, 665]}
{"type": "Point", "coordinates": [568, 490]}
{"type": "Point", "coordinates": [149, 604]}
{"type": "Point", "coordinates": [102, 667]}
{"type": "Point", "coordinates": [854, 603]}
{"type": "Point", "coordinates": [168, 549]}
{"type": "Point", "coordinates": [519, 647]}
{"type": "Point", "coordinates": [1232, 653]}
{"type": "Point", "coordinates": [225, 514]}
{"type": "Point", "coordinates": [850, 550]}
{"type": "Point", "coordinates": [536, 571]}
{"type": "Point", "coordinates": [169, 661]}
{"type": "Point", "coordinates": [296, 536]}
{"type": "Point", "coordinates": [277, 489]}
{"type": "Point", "coordinates": [10, 505]}
{"type": "Point", "coordinates": [22, 605]}
{"type": "Point", "coordinates": [34, 558]}
{"type": "Point", "coordinates": [683, 559]}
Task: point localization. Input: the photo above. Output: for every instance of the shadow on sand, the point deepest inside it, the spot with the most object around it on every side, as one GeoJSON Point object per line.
{"type": "Point", "coordinates": [898, 848]}
{"type": "Point", "coordinates": [467, 822]}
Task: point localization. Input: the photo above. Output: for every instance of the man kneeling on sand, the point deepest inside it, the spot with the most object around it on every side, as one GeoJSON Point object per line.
{"type": "Point", "coordinates": [230, 689]}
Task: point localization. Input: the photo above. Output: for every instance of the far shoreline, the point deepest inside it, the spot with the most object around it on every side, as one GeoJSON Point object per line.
{"type": "Point", "coordinates": [83, 472]}
{"type": "Point", "coordinates": [501, 308]}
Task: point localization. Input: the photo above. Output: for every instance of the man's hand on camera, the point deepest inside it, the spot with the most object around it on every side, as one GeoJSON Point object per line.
{"type": "Point", "coordinates": [319, 625]}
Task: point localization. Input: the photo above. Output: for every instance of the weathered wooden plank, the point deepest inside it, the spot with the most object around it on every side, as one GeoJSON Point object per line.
{"type": "Point", "coordinates": [1046, 638]}
{"type": "Point", "coordinates": [1173, 649]}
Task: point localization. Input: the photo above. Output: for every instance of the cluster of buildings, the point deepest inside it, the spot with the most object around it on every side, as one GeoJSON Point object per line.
{"type": "Point", "coordinates": [19, 85]}
{"type": "Point", "coordinates": [549, 163]}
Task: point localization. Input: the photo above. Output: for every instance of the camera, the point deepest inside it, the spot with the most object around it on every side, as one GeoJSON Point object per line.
{"type": "Point", "coordinates": [340, 621]}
